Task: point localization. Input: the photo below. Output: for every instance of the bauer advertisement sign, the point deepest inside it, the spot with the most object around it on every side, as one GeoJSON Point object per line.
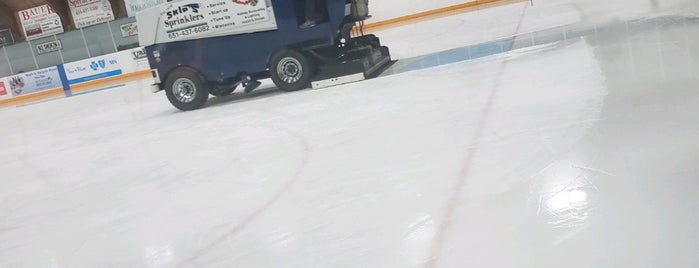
{"type": "Point", "coordinates": [191, 19]}
{"type": "Point", "coordinates": [90, 12]}
{"type": "Point", "coordinates": [34, 81]}
{"type": "Point", "coordinates": [40, 22]}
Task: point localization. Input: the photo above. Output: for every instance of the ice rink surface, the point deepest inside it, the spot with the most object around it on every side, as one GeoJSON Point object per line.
{"type": "Point", "coordinates": [579, 153]}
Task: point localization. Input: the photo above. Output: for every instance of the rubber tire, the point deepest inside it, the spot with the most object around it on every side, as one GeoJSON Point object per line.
{"type": "Point", "coordinates": [202, 90]}
{"type": "Point", "coordinates": [222, 93]}
{"type": "Point", "coordinates": [306, 67]}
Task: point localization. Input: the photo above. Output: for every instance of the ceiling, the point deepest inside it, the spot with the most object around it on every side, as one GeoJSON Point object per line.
{"type": "Point", "coordinates": [17, 5]}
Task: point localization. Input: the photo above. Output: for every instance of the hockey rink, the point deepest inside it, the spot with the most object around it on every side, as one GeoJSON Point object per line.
{"type": "Point", "coordinates": [578, 153]}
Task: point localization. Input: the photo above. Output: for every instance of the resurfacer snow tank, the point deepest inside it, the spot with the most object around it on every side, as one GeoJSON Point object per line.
{"type": "Point", "coordinates": [201, 47]}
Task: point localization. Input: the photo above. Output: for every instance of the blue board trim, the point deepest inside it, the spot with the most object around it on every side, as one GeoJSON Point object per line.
{"type": "Point", "coordinates": [64, 80]}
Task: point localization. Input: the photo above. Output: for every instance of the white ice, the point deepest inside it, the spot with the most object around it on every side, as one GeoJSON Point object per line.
{"type": "Point", "coordinates": [574, 154]}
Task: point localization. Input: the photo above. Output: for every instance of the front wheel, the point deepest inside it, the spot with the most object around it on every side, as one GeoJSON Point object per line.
{"type": "Point", "coordinates": [186, 90]}
{"type": "Point", "coordinates": [290, 70]}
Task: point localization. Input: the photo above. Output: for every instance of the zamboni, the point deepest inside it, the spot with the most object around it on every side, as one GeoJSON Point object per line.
{"type": "Point", "coordinates": [201, 47]}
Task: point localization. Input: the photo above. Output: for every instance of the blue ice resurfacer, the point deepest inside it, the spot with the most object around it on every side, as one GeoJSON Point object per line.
{"type": "Point", "coordinates": [201, 47]}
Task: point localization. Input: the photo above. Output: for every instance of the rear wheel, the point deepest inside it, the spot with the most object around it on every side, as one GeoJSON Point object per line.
{"type": "Point", "coordinates": [186, 90]}
{"type": "Point", "coordinates": [290, 70]}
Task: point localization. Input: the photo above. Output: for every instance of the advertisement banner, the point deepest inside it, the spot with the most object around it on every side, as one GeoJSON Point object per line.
{"type": "Point", "coordinates": [187, 19]}
{"type": "Point", "coordinates": [94, 68]}
{"type": "Point", "coordinates": [40, 22]}
{"type": "Point", "coordinates": [139, 55]}
{"type": "Point", "coordinates": [4, 93]}
{"type": "Point", "coordinates": [134, 6]}
{"type": "Point", "coordinates": [90, 12]}
{"type": "Point", "coordinates": [6, 37]}
{"type": "Point", "coordinates": [129, 29]}
{"type": "Point", "coordinates": [34, 81]}
{"type": "Point", "coordinates": [48, 47]}
{"type": "Point", "coordinates": [132, 60]}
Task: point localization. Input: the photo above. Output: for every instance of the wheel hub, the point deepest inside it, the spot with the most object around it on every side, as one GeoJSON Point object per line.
{"type": "Point", "coordinates": [184, 90]}
{"type": "Point", "coordinates": [290, 70]}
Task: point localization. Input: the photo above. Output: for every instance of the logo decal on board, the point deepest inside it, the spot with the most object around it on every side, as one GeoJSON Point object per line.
{"type": "Point", "coordinates": [3, 90]}
{"type": "Point", "coordinates": [246, 2]}
{"type": "Point", "coordinates": [17, 84]}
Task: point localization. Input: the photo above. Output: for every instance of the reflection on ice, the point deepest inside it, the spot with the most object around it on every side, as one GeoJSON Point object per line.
{"type": "Point", "coordinates": [564, 198]}
{"type": "Point", "coordinates": [562, 202]}
{"type": "Point", "coordinates": [569, 209]}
